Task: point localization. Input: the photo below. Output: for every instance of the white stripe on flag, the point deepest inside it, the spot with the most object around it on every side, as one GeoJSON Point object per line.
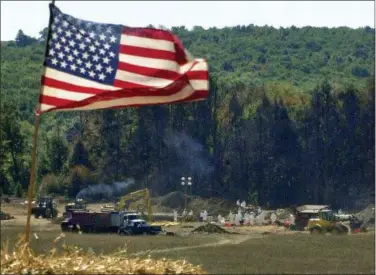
{"type": "Point", "coordinates": [149, 43]}
{"type": "Point", "coordinates": [202, 65]}
{"type": "Point", "coordinates": [76, 80]}
{"type": "Point", "coordinates": [199, 85]}
{"type": "Point", "coordinates": [142, 79]}
{"type": "Point", "coordinates": [154, 63]}
{"type": "Point", "coordinates": [63, 94]}
{"type": "Point", "coordinates": [45, 107]}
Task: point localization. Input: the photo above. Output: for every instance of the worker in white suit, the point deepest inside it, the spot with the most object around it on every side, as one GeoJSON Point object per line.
{"type": "Point", "coordinates": [246, 219]}
{"type": "Point", "coordinates": [231, 217]}
{"type": "Point", "coordinates": [205, 218]}
{"type": "Point", "coordinates": [273, 217]}
{"type": "Point", "coordinates": [175, 216]}
{"type": "Point", "coordinates": [252, 219]}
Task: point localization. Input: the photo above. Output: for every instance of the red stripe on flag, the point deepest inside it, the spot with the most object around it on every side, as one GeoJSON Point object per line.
{"type": "Point", "coordinates": [149, 33]}
{"type": "Point", "coordinates": [53, 83]}
{"type": "Point", "coordinates": [180, 52]}
{"type": "Point", "coordinates": [126, 89]}
{"type": "Point", "coordinates": [174, 87]}
{"type": "Point", "coordinates": [121, 93]}
{"type": "Point", "coordinates": [146, 52]}
{"type": "Point", "coordinates": [159, 35]}
{"type": "Point", "coordinates": [128, 85]}
{"type": "Point", "coordinates": [54, 101]}
{"type": "Point", "coordinates": [198, 75]}
{"type": "Point", "coordinates": [158, 73]}
{"type": "Point", "coordinates": [194, 97]}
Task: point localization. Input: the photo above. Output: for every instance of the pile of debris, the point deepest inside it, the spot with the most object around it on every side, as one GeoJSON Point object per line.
{"type": "Point", "coordinates": [367, 216]}
{"type": "Point", "coordinates": [173, 200]}
{"type": "Point", "coordinates": [283, 214]}
{"type": "Point", "coordinates": [5, 216]}
{"type": "Point", "coordinates": [165, 223]}
{"type": "Point", "coordinates": [210, 228]}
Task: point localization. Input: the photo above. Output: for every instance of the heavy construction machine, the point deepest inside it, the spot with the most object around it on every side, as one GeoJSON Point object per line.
{"type": "Point", "coordinates": [77, 205]}
{"type": "Point", "coordinates": [140, 194]}
{"type": "Point", "coordinates": [319, 219]}
{"type": "Point", "coordinates": [45, 207]}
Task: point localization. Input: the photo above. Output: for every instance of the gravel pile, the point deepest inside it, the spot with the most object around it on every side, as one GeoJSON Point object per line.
{"type": "Point", "coordinates": [283, 214]}
{"type": "Point", "coordinates": [210, 228]}
{"type": "Point", "coordinates": [367, 215]}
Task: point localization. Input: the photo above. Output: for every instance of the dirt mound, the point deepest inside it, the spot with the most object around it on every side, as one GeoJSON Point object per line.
{"type": "Point", "coordinates": [367, 215]}
{"type": "Point", "coordinates": [210, 228]}
{"type": "Point", "coordinates": [173, 200]}
{"type": "Point", "coordinates": [5, 216]}
{"type": "Point", "coordinates": [57, 220]}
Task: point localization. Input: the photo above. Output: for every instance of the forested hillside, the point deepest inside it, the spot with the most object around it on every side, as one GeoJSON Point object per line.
{"type": "Point", "coordinates": [289, 120]}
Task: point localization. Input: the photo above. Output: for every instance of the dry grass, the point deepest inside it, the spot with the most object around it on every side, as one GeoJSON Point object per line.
{"type": "Point", "coordinates": [286, 254]}
{"type": "Point", "coordinates": [104, 243]}
{"type": "Point", "coordinates": [268, 254]}
{"type": "Point", "coordinates": [72, 260]}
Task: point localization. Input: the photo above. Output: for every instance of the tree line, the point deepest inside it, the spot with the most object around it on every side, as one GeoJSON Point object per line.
{"type": "Point", "coordinates": [325, 154]}
{"type": "Point", "coordinates": [273, 141]}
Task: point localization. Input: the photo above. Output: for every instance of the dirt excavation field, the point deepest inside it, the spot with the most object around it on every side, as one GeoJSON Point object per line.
{"type": "Point", "coordinates": [252, 250]}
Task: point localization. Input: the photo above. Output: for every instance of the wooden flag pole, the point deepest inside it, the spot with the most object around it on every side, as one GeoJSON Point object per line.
{"type": "Point", "coordinates": [34, 150]}
{"type": "Point", "coordinates": [32, 175]}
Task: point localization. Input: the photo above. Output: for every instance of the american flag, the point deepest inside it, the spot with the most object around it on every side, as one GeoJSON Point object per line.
{"type": "Point", "coordinates": [97, 66]}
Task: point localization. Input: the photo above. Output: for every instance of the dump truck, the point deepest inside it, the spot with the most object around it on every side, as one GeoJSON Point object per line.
{"type": "Point", "coordinates": [45, 207]}
{"type": "Point", "coordinates": [91, 222]}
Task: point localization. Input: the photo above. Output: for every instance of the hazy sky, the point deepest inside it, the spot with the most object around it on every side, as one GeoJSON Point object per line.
{"type": "Point", "coordinates": [31, 17]}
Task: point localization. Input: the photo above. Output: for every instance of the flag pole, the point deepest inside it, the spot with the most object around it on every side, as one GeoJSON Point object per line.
{"type": "Point", "coordinates": [32, 175]}
{"type": "Point", "coordinates": [35, 143]}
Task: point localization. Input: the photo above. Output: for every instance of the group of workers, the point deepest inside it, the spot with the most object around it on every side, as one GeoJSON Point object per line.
{"type": "Point", "coordinates": [245, 216]}
{"type": "Point", "coordinates": [184, 214]}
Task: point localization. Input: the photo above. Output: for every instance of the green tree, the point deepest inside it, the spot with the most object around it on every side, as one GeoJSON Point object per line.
{"type": "Point", "coordinates": [23, 40]}
{"type": "Point", "coordinates": [80, 156]}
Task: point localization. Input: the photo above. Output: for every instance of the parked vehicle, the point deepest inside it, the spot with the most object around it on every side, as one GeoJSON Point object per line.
{"type": "Point", "coordinates": [139, 227]}
{"type": "Point", "coordinates": [45, 207]}
{"type": "Point", "coordinates": [90, 222]}
{"type": "Point", "coordinates": [319, 219]}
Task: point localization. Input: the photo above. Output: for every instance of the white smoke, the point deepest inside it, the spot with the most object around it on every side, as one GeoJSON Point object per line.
{"type": "Point", "coordinates": [192, 153]}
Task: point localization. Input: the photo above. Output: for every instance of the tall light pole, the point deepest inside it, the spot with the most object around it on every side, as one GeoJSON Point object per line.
{"type": "Point", "coordinates": [186, 182]}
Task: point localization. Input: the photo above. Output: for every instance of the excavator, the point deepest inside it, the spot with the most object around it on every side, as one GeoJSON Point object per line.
{"type": "Point", "coordinates": [143, 193]}
{"type": "Point", "coordinates": [77, 205]}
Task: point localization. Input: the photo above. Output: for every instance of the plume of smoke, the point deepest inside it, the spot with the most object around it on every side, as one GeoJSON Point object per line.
{"type": "Point", "coordinates": [105, 191]}
{"type": "Point", "coordinates": [193, 155]}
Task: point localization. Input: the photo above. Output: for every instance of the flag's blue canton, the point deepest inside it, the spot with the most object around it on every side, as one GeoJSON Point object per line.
{"type": "Point", "coordinates": [83, 48]}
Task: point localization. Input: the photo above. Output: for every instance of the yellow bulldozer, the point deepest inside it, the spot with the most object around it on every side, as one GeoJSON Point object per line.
{"type": "Point", "coordinates": [125, 201]}
{"type": "Point", "coordinates": [319, 219]}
